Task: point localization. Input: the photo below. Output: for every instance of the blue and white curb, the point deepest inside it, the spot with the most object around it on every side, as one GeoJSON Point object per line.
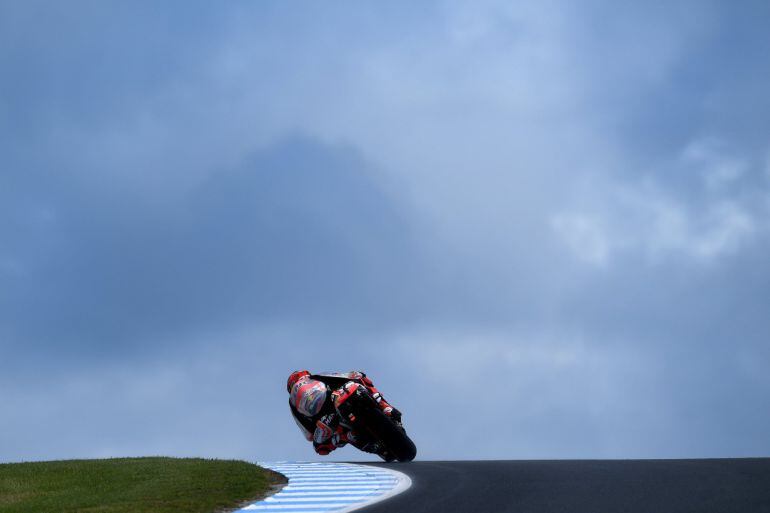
{"type": "Point", "coordinates": [330, 487]}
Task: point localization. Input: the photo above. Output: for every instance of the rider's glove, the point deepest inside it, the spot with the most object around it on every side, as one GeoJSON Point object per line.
{"type": "Point", "coordinates": [340, 437]}
{"type": "Point", "coordinates": [328, 434]}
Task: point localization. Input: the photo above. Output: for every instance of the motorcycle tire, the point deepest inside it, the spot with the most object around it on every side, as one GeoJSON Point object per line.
{"type": "Point", "coordinates": [373, 420]}
{"type": "Point", "coordinates": [386, 456]}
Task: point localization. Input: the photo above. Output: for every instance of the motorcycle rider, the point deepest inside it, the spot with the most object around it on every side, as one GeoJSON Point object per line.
{"type": "Point", "coordinates": [313, 410]}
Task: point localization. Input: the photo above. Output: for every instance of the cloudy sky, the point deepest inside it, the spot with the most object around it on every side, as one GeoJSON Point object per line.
{"type": "Point", "coordinates": [542, 228]}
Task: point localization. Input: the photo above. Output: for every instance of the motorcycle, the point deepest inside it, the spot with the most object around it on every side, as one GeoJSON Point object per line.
{"type": "Point", "coordinates": [359, 411]}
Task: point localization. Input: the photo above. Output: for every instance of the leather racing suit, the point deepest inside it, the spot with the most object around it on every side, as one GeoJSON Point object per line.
{"type": "Point", "coordinates": [324, 428]}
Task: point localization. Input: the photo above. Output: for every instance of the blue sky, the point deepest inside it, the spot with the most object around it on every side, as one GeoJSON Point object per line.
{"type": "Point", "coordinates": [542, 228]}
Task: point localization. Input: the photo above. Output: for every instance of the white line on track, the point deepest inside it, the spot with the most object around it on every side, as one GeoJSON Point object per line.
{"type": "Point", "coordinates": [330, 487]}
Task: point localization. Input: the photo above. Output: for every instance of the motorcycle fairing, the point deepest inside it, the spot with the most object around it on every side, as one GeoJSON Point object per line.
{"type": "Point", "coordinates": [337, 379]}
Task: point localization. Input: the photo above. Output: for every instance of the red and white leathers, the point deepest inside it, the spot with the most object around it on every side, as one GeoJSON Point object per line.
{"type": "Point", "coordinates": [381, 402]}
{"type": "Point", "coordinates": [321, 424]}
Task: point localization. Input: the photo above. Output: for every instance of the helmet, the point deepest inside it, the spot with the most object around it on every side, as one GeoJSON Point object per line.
{"type": "Point", "coordinates": [309, 396]}
{"type": "Point", "coordinates": [294, 377]}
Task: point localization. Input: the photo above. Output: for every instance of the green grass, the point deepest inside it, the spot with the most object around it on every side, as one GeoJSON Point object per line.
{"type": "Point", "coordinates": [135, 485]}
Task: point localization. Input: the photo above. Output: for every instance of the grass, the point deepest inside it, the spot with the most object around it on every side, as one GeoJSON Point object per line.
{"type": "Point", "coordinates": [135, 485]}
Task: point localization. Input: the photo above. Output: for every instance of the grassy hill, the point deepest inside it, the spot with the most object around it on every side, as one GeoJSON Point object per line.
{"type": "Point", "coordinates": [135, 485]}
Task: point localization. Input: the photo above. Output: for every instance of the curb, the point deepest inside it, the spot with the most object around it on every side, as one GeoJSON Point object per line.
{"type": "Point", "coordinates": [316, 487]}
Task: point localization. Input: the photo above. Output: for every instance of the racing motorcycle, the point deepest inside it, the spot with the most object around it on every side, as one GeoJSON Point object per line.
{"type": "Point", "coordinates": [359, 411]}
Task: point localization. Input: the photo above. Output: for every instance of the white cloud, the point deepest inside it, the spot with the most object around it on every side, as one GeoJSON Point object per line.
{"type": "Point", "coordinates": [584, 235]}
{"type": "Point", "coordinates": [659, 222]}
{"type": "Point", "coordinates": [718, 166]}
{"type": "Point", "coordinates": [730, 227]}
{"type": "Point", "coordinates": [720, 229]}
{"type": "Point", "coordinates": [657, 228]}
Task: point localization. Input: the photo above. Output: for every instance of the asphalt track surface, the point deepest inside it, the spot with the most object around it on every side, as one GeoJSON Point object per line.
{"type": "Point", "coordinates": [583, 486]}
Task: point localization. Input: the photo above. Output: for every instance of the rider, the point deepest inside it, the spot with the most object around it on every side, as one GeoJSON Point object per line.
{"type": "Point", "coordinates": [313, 410]}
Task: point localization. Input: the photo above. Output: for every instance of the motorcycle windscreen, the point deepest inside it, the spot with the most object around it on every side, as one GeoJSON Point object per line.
{"type": "Point", "coordinates": [341, 375]}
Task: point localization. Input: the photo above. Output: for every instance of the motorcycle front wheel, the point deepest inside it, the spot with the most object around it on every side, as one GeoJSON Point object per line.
{"type": "Point", "coordinates": [371, 419]}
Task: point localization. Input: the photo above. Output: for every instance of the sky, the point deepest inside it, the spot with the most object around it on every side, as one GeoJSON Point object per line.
{"type": "Point", "coordinates": [541, 227]}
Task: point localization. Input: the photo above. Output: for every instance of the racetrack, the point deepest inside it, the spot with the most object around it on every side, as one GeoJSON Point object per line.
{"type": "Point", "coordinates": [583, 486]}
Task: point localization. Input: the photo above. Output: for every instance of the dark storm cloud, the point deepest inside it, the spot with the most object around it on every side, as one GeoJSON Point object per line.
{"type": "Point", "coordinates": [100, 253]}
{"type": "Point", "coordinates": [293, 233]}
